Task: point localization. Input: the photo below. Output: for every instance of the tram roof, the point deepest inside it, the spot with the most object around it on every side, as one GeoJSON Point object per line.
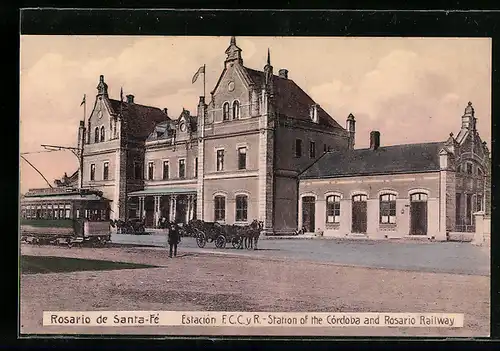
{"type": "Point", "coordinates": [63, 197]}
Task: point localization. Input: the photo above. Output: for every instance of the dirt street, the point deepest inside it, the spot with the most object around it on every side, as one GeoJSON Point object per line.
{"type": "Point", "coordinates": [196, 281]}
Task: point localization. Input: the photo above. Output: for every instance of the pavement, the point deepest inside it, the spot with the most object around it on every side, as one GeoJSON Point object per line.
{"type": "Point", "coordinates": [438, 257]}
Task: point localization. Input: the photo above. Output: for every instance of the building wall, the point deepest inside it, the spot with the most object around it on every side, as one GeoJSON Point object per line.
{"type": "Point", "coordinates": [187, 151]}
{"type": "Point", "coordinates": [373, 186]}
{"type": "Point", "coordinates": [230, 144]}
{"type": "Point", "coordinates": [285, 144]}
{"type": "Point", "coordinates": [285, 204]}
{"type": "Point", "coordinates": [222, 94]}
{"type": "Point", "coordinates": [230, 187]}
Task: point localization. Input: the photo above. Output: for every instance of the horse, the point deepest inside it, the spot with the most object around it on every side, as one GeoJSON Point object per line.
{"type": "Point", "coordinates": [251, 237]}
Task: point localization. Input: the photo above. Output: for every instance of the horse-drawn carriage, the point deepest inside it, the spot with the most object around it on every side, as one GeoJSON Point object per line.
{"type": "Point", "coordinates": [238, 235]}
{"type": "Point", "coordinates": [130, 226]}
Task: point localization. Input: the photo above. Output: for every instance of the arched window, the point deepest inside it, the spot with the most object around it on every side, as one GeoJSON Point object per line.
{"type": "Point", "coordinates": [102, 133]}
{"type": "Point", "coordinates": [219, 208]}
{"type": "Point", "coordinates": [333, 209]}
{"type": "Point", "coordinates": [387, 209]}
{"type": "Point", "coordinates": [241, 208]}
{"type": "Point", "coordinates": [225, 111]}
{"type": "Point", "coordinates": [236, 109]}
{"type": "Point", "coordinates": [96, 137]}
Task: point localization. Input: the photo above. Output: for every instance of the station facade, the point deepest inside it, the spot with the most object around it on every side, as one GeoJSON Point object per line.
{"type": "Point", "coordinates": [261, 148]}
{"type": "Point", "coordinates": [424, 190]}
{"type": "Point", "coordinates": [236, 159]}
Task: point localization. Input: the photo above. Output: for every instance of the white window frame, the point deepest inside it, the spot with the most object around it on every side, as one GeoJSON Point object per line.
{"type": "Point", "coordinates": [103, 168]}
{"type": "Point", "coordinates": [163, 169]}
{"type": "Point", "coordinates": [179, 168]}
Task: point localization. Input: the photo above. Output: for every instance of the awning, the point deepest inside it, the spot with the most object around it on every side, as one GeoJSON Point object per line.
{"type": "Point", "coordinates": [162, 191]}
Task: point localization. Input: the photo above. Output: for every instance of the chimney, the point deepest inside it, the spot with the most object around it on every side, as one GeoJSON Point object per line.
{"type": "Point", "coordinates": [374, 140]}
{"type": "Point", "coordinates": [351, 129]}
{"type": "Point", "coordinates": [283, 73]}
{"type": "Point", "coordinates": [165, 110]}
{"type": "Point", "coordinates": [130, 99]}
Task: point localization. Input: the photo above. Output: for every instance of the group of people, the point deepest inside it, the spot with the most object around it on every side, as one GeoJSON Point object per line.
{"type": "Point", "coordinates": [174, 235]}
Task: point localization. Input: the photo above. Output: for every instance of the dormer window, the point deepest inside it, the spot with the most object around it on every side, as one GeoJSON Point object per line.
{"type": "Point", "coordinates": [225, 111]}
{"type": "Point", "coordinates": [236, 109]}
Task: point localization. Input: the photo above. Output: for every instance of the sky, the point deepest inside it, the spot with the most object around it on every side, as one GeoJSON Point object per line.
{"type": "Point", "coordinates": [410, 89]}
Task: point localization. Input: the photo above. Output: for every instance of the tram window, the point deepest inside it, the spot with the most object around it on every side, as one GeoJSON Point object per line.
{"type": "Point", "coordinates": [77, 213]}
{"type": "Point", "coordinates": [68, 214]}
{"type": "Point", "coordinates": [86, 214]}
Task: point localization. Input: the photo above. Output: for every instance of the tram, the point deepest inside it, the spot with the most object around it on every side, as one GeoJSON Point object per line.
{"type": "Point", "coordinates": [65, 216]}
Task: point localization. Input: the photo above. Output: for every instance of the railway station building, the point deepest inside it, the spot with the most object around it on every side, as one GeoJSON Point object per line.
{"type": "Point", "coordinates": [259, 147]}
{"type": "Point", "coordinates": [236, 159]}
{"type": "Point", "coordinates": [428, 190]}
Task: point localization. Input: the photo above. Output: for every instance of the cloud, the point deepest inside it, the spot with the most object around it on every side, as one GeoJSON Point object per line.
{"type": "Point", "coordinates": [409, 98]}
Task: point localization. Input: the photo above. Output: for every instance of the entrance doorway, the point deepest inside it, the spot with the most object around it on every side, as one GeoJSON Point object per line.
{"type": "Point", "coordinates": [359, 215]}
{"type": "Point", "coordinates": [181, 209]}
{"type": "Point", "coordinates": [308, 213]}
{"type": "Point", "coordinates": [149, 207]}
{"type": "Point", "coordinates": [418, 214]}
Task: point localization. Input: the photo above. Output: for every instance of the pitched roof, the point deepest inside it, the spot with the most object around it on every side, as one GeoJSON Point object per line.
{"type": "Point", "coordinates": [291, 100]}
{"type": "Point", "coordinates": [141, 119]}
{"type": "Point", "coordinates": [385, 160]}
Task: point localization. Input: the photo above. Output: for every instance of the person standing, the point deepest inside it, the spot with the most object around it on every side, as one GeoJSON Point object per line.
{"type": "Point", "coordinates": [173, 239]}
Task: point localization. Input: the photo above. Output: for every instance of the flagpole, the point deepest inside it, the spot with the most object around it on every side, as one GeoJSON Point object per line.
{"type": "Point", "coordinates": [204, 74]}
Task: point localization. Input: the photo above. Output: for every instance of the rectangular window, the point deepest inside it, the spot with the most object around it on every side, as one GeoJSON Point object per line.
{"type": "Point", "coordinates": [137, 170]}
{"type": "Point", "coordinates": [67, 214]}
{"type": "Point", "coordinates": [105, 171]}
{"type": "Point", "coordinates": [182, 168]}
{"type": "Point", "coordinates": [151, 169]}
{"type": "Point", "coordinates": [312, 149]}
{"type": "Point", "coordinates": [388, 209]}
{"type": "Point", "coordinates": [468, 209]}
{"type": "Point", "coordinates": [469, 168]}
{"type": "Point", "coordinates": [242, 158]}
{"type": "Point", "coordinates": [196, 167]}
{"type": "Point", "coordinates": [333, 209]}
{"type": "Point", "coordinates": [458, 209]}
{"type": "Point", "coordinates": [241, 208]}
{"type": "Point", "coordinates": [298, 148]}
{"type": "Point", "coordinates": [220, 160]}
{"type": "Point", "coordinates": [220, 208]}
{"type": "Point", "coordinates": [165, 170]}
{"type": "Point", "coordinates": [92, 172]}
{"type": "Point", "coordinates": [479, 202]}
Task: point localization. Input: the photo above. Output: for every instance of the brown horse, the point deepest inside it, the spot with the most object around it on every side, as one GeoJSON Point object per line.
{"type": "Point", "coordinates": [251, 236]}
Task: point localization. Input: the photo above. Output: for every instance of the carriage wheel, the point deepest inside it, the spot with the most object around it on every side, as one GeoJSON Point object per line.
{"type": "Point", "coordinates": [220, 242]}
{"type": "Point", "coordinates": [236, 242]}
{"type": "Point", "coordinates": [201, 240]}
